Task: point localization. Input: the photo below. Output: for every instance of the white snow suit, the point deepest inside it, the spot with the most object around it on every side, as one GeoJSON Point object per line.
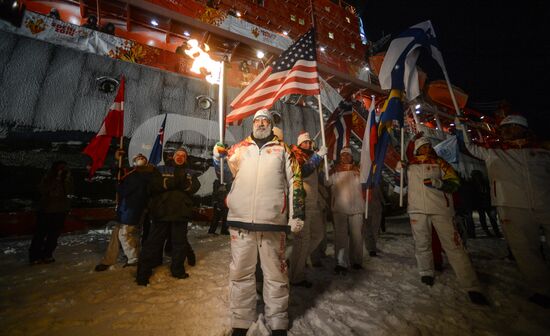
{"type": "Point", "coordinates": [429, 206]}
{"type": "Point", "coordinates": [348, 207]}
{"type": "Point", "coordinates": [257, 219]}
{"type": "Point", "coordinates": [307, 240]}
{"type": "Point", "coordinates": [519, 175]}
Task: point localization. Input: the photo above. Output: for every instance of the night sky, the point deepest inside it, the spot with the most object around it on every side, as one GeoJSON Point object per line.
{"type": "Point", "coordinates": [493, 50]}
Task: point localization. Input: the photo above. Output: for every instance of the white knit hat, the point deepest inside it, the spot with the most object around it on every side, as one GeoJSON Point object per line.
{"type": "Point", "coordinates": [265, 114]}
{"type": "Point", "coordinates": [515, 119]}
{"type": "Point", "coordinates": [303, 136]}
{"type": "Point", "coordinates": [421, 142]}
{"type": "Point", "coordinates": [139, 156]}
{"type": "Point", "coordinates": [346, 150]}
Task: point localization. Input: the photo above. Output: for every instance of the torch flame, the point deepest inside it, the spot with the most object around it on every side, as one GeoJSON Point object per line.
{"type": "Point", "coordinates": [203, 61]}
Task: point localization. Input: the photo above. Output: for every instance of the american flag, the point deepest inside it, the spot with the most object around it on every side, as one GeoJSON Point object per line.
{"type": "Point", "coordinates": [295, 71]}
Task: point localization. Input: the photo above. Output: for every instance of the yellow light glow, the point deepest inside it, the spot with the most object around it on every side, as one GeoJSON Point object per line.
{"type": "Point", "coordinates": [203, 61]}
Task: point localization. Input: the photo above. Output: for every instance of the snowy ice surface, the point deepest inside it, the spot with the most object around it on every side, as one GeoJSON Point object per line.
{"type": "Point", "coordinates": [387, 298]}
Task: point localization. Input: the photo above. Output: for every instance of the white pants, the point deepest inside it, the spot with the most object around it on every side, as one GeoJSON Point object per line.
{"type": "Point", "coordinates": [304, 243]}
{"type": "Point", "coordinates": [245, 248]}
{"type": "Point", "coordinates": [522, 231]}
{"type": "Point", "coordinates": [451, 242]}
{"type": "Point", "coordinates": [348, 238]}
{"type": "Point", "coordinates": [126, 236]}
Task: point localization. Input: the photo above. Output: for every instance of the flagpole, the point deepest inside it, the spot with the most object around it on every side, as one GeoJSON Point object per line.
{"type": "Point", "coordinates": [367, 204]}
{"type": "Point", "coordinates": [402, 174]}
{"type": "Point", "coordinates": [322, 122]}
{"type": "Point", "coordinates": [457, 109]}
{"type": "Point", "coordinates": [120, 147]}
{"type": "Point", "coordinates": [321, 119]}
{"type": "Point", "coordinates": [220, 112]}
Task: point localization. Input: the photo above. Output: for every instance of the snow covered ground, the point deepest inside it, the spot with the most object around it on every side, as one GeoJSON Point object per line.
{"type": "Point", "coordinates": [387, 298]}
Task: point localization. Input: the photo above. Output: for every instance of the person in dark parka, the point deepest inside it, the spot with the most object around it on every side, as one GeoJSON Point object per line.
{"type": "Point", "coordinates": [172, 187]}
{"type": "Point", "coordinates": [53, 208]}
{"type": "Point", "coordinates": [133, 192]}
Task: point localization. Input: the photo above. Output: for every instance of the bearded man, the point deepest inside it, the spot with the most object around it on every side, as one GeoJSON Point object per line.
{"type": "Point", "coordinates": [262, 170]}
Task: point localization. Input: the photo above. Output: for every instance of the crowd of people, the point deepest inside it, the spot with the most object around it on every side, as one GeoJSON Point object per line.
{"type": "Point", "coordinates": [272, 189]}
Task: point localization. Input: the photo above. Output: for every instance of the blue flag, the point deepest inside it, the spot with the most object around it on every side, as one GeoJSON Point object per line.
{"type": "Point", "coordinates": [398, 70]}
{"type": "Point", "coordinates": [156, 153]}
{"type": "Point", "coordinates": [392, 110]}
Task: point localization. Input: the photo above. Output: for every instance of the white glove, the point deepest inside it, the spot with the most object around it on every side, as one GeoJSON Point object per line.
{"type": "Point", "coordinates": [296, 225]}
{"type": "Point", "coordinates": [433, 183]}
{"type": "Point", "coordinates": [219, 151]}
{"type": "Point", "coordinates": [322, 151]}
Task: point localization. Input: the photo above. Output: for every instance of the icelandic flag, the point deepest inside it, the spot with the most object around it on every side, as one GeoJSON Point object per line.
{"type": "Point", "coordinates": [156, 153]}
{"type": "Point", "coordinates": [369, 142]}
{"type": "Point", "coordinates": [398, 70]}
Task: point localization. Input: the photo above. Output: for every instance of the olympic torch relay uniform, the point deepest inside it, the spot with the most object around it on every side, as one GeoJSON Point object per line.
{"type": "Point", "coordinates": [430, 206]}
{"type": "Point", "coordinates": [519, 175]}
{"type": "Point", "coordinates": [261, 177]}
{"type": "Point", "coordinates": [347, 206]}
{"type": "Point", "coordinates": [307, 240]}
{"type": "Point", "coordinates": [258, 205]}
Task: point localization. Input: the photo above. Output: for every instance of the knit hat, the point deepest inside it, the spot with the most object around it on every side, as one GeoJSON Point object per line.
{"type": "Point", "coordinates": [138, 156]}
{"type": "Point", "coordinates": [303, 136]}
{"type": "Point", "coordinates": [182, 149]}
{"type": "Point", "coordinates": [265, 114]}
{"type": "Point", "coordinates": [345, 150]}
{"type": "Point", "coordinates": [515, 119]}
{"type": "Point", "coordinates": [421, 142]}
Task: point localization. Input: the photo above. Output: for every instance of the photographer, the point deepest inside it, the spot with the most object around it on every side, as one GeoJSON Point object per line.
{"type": "Point", "coordinates": [53, 207]}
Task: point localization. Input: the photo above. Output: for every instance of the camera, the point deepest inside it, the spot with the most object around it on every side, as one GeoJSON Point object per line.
{"type": "Point", "coordinates": [107, 84]}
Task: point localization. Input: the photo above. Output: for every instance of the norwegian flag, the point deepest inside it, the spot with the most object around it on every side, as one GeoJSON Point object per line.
{"type": "Point", "coordinates": [112, 126]}
{"type": "Point", "coordinates": [338, 129]}
{"type": "Point", "coordinates": [295, 71]}
{"type": "Point", "coordinates": [156, 153]}
{"type": "Point", "coordinates": [370, 138]}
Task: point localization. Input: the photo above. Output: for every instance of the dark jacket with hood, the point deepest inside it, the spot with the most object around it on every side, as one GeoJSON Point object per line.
{"type": "Point", "coordinates": [172, 188]}
{"type": "Point", "coordinates": [134, 194]}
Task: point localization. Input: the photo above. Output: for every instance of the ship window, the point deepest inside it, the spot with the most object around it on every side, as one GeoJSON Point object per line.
{"type": "Point", "coordinates": [331, 35]}
{"type": "Point", "coordinates": [348, 20]}
{"type": "Point", "coordinates": [302, 22]}
{"type": "Point", "coordinates": [292, 17]}
{"type": "Point", "coordinates": [327, 8]}
{"type": "Point", "coordinates": [352, 46]}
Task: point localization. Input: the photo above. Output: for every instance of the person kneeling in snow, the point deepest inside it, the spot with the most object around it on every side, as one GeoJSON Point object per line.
{"type": "Point", "coordinates": [431, 182]}
{"type": "Point", "coordinates": [263, 169]}
{"type": "Point", "coordinates": [133, 191]}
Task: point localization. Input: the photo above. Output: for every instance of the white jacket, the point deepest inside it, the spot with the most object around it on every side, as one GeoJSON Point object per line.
{"type": "Point", "coordinates": [347, 195]}
{"type": "Point", "coordinates": [428, 200]}
{"type": "Point", "coordinates": [519, 177]}
{"type": "Point", "coordinates": [262, 177]}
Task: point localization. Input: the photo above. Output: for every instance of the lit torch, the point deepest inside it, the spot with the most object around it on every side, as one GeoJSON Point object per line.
{"type": "Point", "coordinates": [214, 71]}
